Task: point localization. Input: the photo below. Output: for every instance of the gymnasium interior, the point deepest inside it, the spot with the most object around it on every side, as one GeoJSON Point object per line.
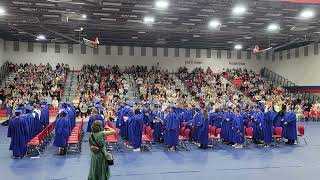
{"type": "Point", "coordinates": [162, 56]}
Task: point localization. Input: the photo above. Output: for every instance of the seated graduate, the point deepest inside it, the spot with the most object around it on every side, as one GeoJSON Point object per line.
{"type": "Point", "coordinates": [135, 130]}
{"type": "Point", "coordinates": [18, 132]}
{"type": "Point", "coordinates": [290, 126]}
{"type": "Point", "coordinates": [171, 129]}
{"type": "Point", "coordinates": [202, 126]}
{"type": "Point", "coordinates": [62, 131]}
{"type": "Point", "coordinates": [93, 117]}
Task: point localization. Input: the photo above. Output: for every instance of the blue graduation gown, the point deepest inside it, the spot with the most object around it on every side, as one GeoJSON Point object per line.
{"type": "Point", "coordinates": [94, 117]}
{"type": "Point", "coordinates": [123, 125]}
{"type": "Point", "coordinates": [135, 130]}
{"type": "Point", "coordinates": [18, 132]}
{"type": "Point", "coordinates": [215, 119]}
{"type": "Point", "coordinates": [258, 125]}
{"type": "Point", "coordinates": [246, 119]}
{"type": "Point", "coordinates": [226, 126]}
{"type": "Point", "coordinates": [37, 122]}
{"type": "Point", "coordinates": [290, 129]}
{"type": "Point", "coordinates": [267, 126]}
{"type": "Point", "coordinates": [31, 125]}
{"type": "Point", "coordinates": [194, 131]}
{"type": "Point", "coordinates": [44, 117]}
{"type": "Point", "coordinates": [171, 129]}
{"type": "Point", "coordinates": [118, 114]}
{"type": "Point", "coordinates": [157, 126]}
{"type": "Point", "coordinates": [187, 115]}
{"type": "Point", "coordinates": [238, 129]}
{"type": "Point", "coordinates": [62, 132]}
{"type": "Point", "coordinates": [277, 120]}
{"type": "Point", "coordinates": [202, 125]}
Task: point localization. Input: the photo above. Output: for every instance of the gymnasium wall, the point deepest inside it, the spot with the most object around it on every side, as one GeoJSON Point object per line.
{"type": "Point", "coordinates": [300, 65]}
{"type": "Point", "coordinates": [171, 58]}
{"type": "Point", "coordinates": [1, 52]}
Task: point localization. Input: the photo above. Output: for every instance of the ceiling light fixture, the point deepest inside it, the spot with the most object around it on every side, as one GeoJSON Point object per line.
{"type": "Point", "coordinates": [84, 16]}
{"type": "Point", "coordinates": [307, 14]}
{"type": "Point", "coordinates": [148, 20]}
{"type": "Point", "coordinates": [162, 4]}
{"type": "Point", "coordinates": [239, 10]}
{"type": "Point", "coordinates": [81, 28]}
{"type": "Point", "coordinates": [41, 37]}
{"type": "Point", "coordinates": [238, 47]}
{"type": "Point", "coordinates": [273, 27]}
{"type": "Point", "coordinates": [2, 11]}
{"type": "Point", "coordinates": [214, 24]}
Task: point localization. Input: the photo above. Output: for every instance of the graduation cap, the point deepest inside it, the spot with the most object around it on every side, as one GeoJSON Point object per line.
{"type": "Point", "coordinates": [173, 106]}
{"type": "Point", "coordinates": [62, 111]}
{"type": "Point", "coordinates": [131, 104]}
{"type": "Point", "coordinates": [29, 107]}
{"type": "Point", "coordinates": [18, 111]}
{"type": "Point", "coordinates": [255, 105]}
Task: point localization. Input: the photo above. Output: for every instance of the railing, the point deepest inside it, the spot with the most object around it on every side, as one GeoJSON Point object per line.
{"type": "Point", "coordinates": [4, 71]}
{"type": "Point", "coordinates": [287, 84]}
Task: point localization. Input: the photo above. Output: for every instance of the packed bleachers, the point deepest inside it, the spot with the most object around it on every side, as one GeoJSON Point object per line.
{"type": "Point", "coordinates": [33, 83]}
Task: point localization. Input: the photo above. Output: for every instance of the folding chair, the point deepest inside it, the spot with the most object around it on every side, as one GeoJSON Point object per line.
{"type": "Point", "coordinates": [248, 135]}
{"type": "Point", "coordinates": [301, 133]}
{"type": "Point", "coordinates": [277, 136]}
{"type": "Point", "coordinates": [147, 139]}
{"type": "Point", "coordinates": [113, 139]}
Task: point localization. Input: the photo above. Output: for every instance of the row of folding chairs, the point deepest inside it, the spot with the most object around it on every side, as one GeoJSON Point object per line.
{"type": "Point", "coordinates": [75, 138]}
{"type": "Point", "coordinates": [38, 143]}
{"type": "Point", "coordinates": [113, 139]}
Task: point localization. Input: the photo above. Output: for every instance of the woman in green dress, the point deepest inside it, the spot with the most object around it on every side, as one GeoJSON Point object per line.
{"type": "Point", "coordinates": [99, 169]}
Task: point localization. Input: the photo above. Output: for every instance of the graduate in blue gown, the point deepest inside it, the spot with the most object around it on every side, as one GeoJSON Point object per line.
{"type": "Point", "coordinates": [269, 117]}
{"type": "Point", "coordinates": [290, 126]}
{"type": "Point", "coordinates": [93, 117]}
{"type": "Point", "coordinates": [187, 114]}
{"type": "Point", "coordinates": [202, 126]}
{"type": "Point", "coordinates": [124, 115]}
{"type": "Point", "coordinates": [157, 123]}
{"type": "Point", "coordinates": [135, 130]}
{"type": "Point", "coordinates": [257, 119]}
{"type": "Point", "coordinates": [18, 132]}
{"type": "Point", "coordinates": [62, 131]}
{"type": "Point", "coordinates": [32, 124]}
{"type": "Point", "coordinates": [215, 118]}
{"type": "Point", "coordinates": [196, 119]}
{"type": "Point", "coordinates": [171, 129]}
{"type": "Point", "coordinates": [238, 129]}
{"type": "Point", "coordinates": [118, 114]}
{"type": "Point", "coordinates": [226, 125]}
{"type": "Point", "coordinates": [44, 117]}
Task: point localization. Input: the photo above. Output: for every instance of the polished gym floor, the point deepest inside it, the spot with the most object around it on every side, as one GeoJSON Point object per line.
{"type": "Point", "coordinates": [254, 162]}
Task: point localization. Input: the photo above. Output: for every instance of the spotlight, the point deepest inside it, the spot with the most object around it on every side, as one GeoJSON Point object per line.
{"type": "Point", "coordinates": [162, 4]}
{"type": "Point", "coordinates": [307, 14]}
{"type": "Point", "coordinates": [273, 27]}
{"type": "Point", "coordinates": [238, 47]}
{"type": "Point", "coordinates": [148, 20]}
{"type": "Point", "coordinates": [84, 16]}
{"type": "Point", "coordinates": [41, 37]}
{"type": "Point", "coordinates": [81, 28]}
{"type": "Point", "coordinates": [215, 24]}
{"type": "Point", "coordinates": [238, 10]}
{"type": "Point", "coordinates": [2, 11]}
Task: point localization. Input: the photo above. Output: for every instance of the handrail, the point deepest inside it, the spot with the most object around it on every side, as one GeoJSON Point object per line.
{"type": "Point", "coordinates": [287, 84]}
